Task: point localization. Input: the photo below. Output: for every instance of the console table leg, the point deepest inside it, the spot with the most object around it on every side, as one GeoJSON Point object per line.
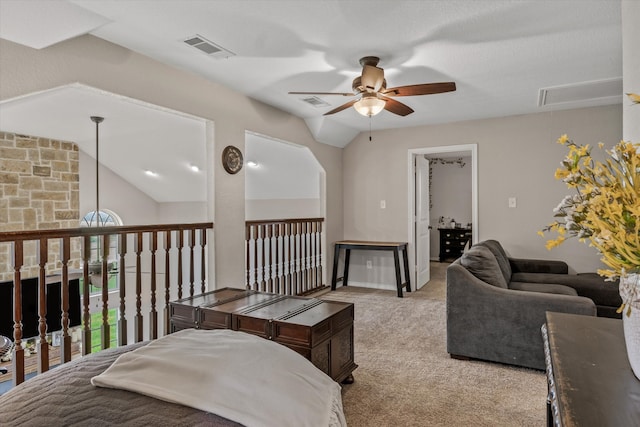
{"type": "Point", "coordinates": [345, 276]}
{"type": "Point", "coordinates": [407, 276]}
{"type": "Point", "coordinates": [396, 261]}
{"type": "Point", "coordinates": [336, 256]}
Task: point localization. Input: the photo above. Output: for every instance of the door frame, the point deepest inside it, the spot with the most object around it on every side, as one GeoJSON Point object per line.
{"type": "Point", "coordinates": [411, 153]}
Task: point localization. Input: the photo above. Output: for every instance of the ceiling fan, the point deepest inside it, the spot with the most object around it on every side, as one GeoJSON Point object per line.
{"type": "Point", "coordinates": [374, 96]}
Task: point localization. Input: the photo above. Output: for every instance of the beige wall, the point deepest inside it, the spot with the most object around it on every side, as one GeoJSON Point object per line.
{"type": "Point", "coordinates": [105, 66]}
{"type": "Point", "coordinates": [517, 157]}
{"type": "Point", "coordinates": [631, 67]}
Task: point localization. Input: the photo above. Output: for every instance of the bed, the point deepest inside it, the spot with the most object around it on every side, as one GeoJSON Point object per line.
{"type": "Point", "coordinates": [191, 377]}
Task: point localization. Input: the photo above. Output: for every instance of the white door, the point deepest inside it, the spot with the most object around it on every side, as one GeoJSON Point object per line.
{"type": "Point", "coordinates": [422, 237]}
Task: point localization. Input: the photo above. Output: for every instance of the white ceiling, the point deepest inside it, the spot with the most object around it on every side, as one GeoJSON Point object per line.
{"type": "Point", "coordinates": [500, 53]}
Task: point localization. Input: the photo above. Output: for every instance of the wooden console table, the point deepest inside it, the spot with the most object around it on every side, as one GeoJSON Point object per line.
{"type": "Point", "coordinates": [395, 247]}
{"type": "Point", "coordinates": [321, 331]}
{"type": "Point", "coordinates": [589, 376]}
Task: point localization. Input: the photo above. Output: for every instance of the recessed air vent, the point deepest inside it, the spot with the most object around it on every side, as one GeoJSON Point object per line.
{"type": "Point", "coordinates": [315, 101]}
{"type": "Point", "coordinates": [211, 49]}
{"type": "Point", "coordinates": [598, 91]}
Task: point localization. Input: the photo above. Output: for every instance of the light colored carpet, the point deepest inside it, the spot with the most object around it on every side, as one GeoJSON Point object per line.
{"type": "Point", "coordinates": [406, 377]}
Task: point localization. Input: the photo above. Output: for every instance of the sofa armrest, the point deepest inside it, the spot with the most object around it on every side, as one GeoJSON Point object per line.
{"type": "Point", "coordinates": [501, 325]}
{"type": "Point", "coordinates": [521, 265]}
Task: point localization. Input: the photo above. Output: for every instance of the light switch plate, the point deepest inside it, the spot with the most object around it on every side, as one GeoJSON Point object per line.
{"type": "Point", "coordinates": [512, 202]}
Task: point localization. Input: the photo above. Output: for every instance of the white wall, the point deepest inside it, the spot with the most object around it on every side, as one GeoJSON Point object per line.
{"type": "Point", "coordinates": [517, 157]}
{"type": "Point", "coordinates": [257, 209]}
{"type": "Point", "coordinates": [285, 184]}
{"type": "Point", "coordinates": [132, 205]}
{"type": "Point", "coordinates": [181, 212]}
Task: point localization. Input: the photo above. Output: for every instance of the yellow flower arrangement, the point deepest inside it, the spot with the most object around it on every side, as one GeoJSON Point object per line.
{"type": "Point", "coordinates": [605, 210]}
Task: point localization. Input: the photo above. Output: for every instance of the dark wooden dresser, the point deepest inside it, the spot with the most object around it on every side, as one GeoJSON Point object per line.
{"type": "Point", "coordinates": [589, 376]}
{"type": "Point", "coordinates": [321, 331]}
{"type": "Point", "coordinates": [452, 242]}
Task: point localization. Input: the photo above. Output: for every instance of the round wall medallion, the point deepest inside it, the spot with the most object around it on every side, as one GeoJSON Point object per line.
{"type": "Point", "coordinates": [232, 159]}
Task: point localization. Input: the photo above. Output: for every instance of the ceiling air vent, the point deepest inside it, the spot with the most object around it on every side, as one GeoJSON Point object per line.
{"type": "Point", "coordinates": [211, 49]}
{"type": "Point", "coordinates": [315, 101]}
{"type": "Point", "coordinates": [596, 92]}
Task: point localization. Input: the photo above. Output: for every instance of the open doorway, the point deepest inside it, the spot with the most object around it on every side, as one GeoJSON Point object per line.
{"type": "Point", "coordinates": [420, 223]}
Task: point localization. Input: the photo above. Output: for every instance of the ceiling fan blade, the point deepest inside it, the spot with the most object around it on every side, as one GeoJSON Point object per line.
{"type": "Point", "coordinates": [322, 93]}
{"type": "Point", "coordinates": [372, 77]}
{"type": "Point", "coordinates": [396, 107]}
{"type": "Point", "coordinates": [340, 108]}
{"type": "Point", "coordinates": [421, 89]}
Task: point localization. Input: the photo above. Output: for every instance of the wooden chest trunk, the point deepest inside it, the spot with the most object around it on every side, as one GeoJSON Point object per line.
{"type": "Point", "coordinates": [321, 331]}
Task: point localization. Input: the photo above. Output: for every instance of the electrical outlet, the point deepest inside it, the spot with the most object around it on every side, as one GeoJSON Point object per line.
{"type": "Point", "coordinates": [369, 264]}
{"type": "Point", "coordinates": [512, 202]}
{"type": "Point", "coordinates": [383, 204]}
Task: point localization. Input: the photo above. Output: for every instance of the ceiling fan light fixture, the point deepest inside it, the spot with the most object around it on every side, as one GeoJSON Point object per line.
{"type": "Point", "coordinates": [369, 105]}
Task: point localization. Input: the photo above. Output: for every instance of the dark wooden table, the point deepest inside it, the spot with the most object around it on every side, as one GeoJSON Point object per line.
{"type": "Point", "coordinates": [589, 376]}
{"type": "Point", "coordinates": [394, 247]}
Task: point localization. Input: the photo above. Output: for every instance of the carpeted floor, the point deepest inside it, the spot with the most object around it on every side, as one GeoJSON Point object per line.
{"type": "Point", "coordinates": [406, 378]}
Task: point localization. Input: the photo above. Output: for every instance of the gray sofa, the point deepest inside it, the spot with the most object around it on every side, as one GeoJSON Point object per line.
{"type": "Point", "coordinates": [492, 319]}
{"type": "Point", "coordinates": [516, 272]}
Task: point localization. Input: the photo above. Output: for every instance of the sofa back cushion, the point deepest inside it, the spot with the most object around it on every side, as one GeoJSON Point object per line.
{"type": "Point", "coordinates": [501, 256]}
{"type": "Point", "coordinates": [481, 262]}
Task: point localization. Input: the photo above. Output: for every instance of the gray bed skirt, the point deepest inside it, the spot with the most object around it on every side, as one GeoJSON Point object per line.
{"type": "Point", "coordinates": [64, 396]}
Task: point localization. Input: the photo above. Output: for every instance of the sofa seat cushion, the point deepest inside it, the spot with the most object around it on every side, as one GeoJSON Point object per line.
{"type": "Point", "coordinates": [547, 288]}
{"type": "Point", "coordinates": [592, 286]}
{"type": "Point", "coordinates": [481, 262]}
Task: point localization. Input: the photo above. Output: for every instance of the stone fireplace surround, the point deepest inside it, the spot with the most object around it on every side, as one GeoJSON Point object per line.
{"type": "Point", "coordinates": [39, 189]}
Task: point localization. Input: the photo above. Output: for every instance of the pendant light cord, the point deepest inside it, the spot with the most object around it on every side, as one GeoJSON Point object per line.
{"type": "Point", "coordinates": [97, 120]}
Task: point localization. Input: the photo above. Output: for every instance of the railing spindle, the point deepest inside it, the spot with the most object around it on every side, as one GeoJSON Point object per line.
{"type": "Point", "coordinates": [104, 288]}
{"type": "Point", "coordinates": [65, 343]}
{"type": "Point", "coordinates": [263, 235]}
{"type": "Point", "coordinates": [255, 254]}
{"type": "Point", "coordinates": [305, 255]}
{"type": "Point", "coordinates": [18, 351]}
{"type": "Point", "coordinates": [138, 324]}
{"type": "Point", "coordinates": [192, 243]}
{"type": "Point", "coordinates": [43, 345]}
{"type": "Point", "coordinates": [180, 242]}
{"type": "Point", "coordinates": [277, 236]}
{"type": "Point", "coordinates": [320, 280]}
{"type": "Point", "coordinates": [290, 259]}
{"type": "Point", "coordinates": [167, 281]}
{"type": "Point", "coordinates": [270, 247]}
{"type": "Point", "coordinates": [153, 314]}
{"type": "Point", "coordinates": [86, 316]}
{"type": "Point", "coordinates": [122, 285]}
{"type": "Point", "coordinates": [203, 260]}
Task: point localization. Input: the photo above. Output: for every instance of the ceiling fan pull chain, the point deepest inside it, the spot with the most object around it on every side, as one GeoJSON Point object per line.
{"type": "Point", "coordinates": [369, 128]}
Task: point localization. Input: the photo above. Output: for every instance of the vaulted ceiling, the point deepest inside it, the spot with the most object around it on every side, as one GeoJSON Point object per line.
{"type": "Point", "coordinates": [500, 53]}
{"type": "Point", "coordinates": [507, 57]}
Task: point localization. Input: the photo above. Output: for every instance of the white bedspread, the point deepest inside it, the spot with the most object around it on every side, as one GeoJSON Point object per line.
{"type": "Point", "coordinates": [247, 379]}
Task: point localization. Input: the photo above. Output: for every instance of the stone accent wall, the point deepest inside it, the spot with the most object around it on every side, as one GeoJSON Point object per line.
{"type": "Point", "coordinates": [39, 189]}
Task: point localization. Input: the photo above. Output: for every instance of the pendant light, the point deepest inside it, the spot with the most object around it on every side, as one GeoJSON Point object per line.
{"type": "Point", "coordinates": [95, 266]}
